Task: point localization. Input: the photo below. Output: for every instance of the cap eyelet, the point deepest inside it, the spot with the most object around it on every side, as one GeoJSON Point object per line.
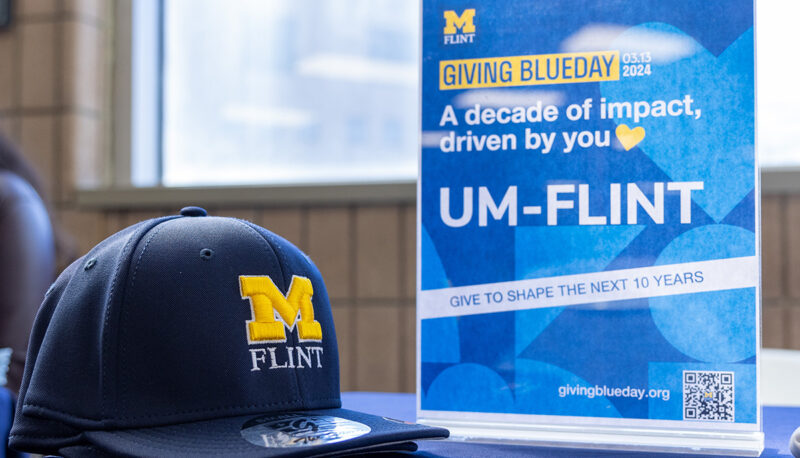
{"type": "Point", "coordinates": [193, 211]}
{"type": "Point", "coordinates": [206, 254]}
{"type": "Point", "coordinates": [90, 263]}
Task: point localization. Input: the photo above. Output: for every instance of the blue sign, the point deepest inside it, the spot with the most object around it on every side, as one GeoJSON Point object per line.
{"type": "Point", "coordinates": [588, 193]}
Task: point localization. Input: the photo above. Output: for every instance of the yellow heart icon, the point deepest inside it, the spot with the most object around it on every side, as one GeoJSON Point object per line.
{"type": "Point", "coordinates": [629, 137]}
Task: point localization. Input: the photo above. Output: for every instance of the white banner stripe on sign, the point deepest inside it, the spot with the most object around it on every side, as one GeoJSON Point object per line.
{"type": "Point", "coordinates": [614, 285]}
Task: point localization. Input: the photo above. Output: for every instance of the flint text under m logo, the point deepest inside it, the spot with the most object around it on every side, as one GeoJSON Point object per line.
{"type": "Point", "coordinates": [454, 22]}
{"type": "Point", "coordinates": [266, 299]}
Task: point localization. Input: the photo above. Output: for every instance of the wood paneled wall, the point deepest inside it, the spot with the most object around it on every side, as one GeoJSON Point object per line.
{"type": "Point", "coordinates": [780, 271]}
{"type": "Point", "coordinates": [55, 70]}
{"type": "Point", "coordinates": [54, 85]}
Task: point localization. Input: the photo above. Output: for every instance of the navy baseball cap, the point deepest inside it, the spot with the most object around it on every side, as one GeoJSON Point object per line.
{"type": "Point", "coordinates": [192, 335]}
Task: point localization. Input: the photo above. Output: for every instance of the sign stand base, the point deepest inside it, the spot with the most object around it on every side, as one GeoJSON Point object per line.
{"type": "Point", "coordinates": [745, 443]}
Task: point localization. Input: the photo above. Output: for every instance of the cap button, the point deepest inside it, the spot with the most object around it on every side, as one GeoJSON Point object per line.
{"type": "Point", "coordinates": [193, 211]}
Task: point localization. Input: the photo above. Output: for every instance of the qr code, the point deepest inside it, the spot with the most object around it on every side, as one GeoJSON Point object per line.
{"type": "Point", "coordinates": [708, 396]}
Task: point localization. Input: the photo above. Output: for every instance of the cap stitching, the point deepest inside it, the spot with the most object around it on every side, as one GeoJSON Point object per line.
{"type": "Point", "coordinates": [216, 409]}
{"type": "Point", "coordinates": [45, 437]}
{"type": "Point", "coordinates": [106, 326]}
{"type": "Point", "coordinates": [107, 313]}
{"type": "Point", "coordinates": [280, 257]}
{"type": "Point", "coordinates": [266, 242]}
{"type": "Point", "coordinates": [123, 347]}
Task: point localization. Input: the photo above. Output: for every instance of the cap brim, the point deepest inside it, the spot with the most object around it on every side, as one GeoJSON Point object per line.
{"type": "Point", "coordinates": [225, 437]}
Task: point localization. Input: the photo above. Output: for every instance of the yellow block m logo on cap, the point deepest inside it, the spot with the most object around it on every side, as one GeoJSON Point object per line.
{"type": "Point", "coordinates": [266, 299]}
{"type": "Point", "coordinates": [453, 22]}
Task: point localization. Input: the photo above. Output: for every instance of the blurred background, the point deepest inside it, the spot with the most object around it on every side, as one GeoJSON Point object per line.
{"type": "Point", "coordinates": [301, 116]}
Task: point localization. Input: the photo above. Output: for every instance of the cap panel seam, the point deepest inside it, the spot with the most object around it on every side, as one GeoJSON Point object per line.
{"type": "Point", "coordinates": [124, 314]}
{"type": "Point", "coordinates": [281, 260]}
{"type": "Point", "coordinates": [44, 319]}
{"type": "Point", "coordinates": [107, 314]}
{"type": "Point", "coordinates": [278, 257]}
{"type": "Point", "coordinates": [269, 245]}
{"type": "Point", "coordinates": [132, 240]}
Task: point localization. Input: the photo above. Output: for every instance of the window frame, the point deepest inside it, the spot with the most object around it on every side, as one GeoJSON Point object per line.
{"type": "Point", "coordinates": [142, 144]}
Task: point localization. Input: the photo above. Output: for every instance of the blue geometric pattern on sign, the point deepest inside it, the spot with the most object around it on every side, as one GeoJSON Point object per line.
{"type": "Point", "coordinates": [433, 274]}
{"type": "Point", "coordinates": [718, 148]}
{"type": "Point", "coordinates": [536, 392]}
{"type": "Point", "coordinates": [528, 324]}
{"type": "Point", "coordinates": [569, 249]}
{"type": "Point", "coordinates": [700, 324]}
{"type": "Point", "coordinates": [441, 341]}
{"type": "Point", "coordinates": [469, 388]}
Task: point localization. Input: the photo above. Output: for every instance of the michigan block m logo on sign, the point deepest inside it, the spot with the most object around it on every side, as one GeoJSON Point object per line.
{"type": "Point", "coordinates": [266, 299]}
{"type": "Point", "coordinates": [465, 22]}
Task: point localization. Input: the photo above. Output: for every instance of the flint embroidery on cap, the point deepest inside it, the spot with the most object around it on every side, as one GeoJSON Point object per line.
{"type": "Point", "coordinates": [270, 327]}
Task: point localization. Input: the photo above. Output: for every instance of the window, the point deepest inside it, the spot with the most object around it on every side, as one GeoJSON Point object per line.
{"type": "Point", "coordinates": [778, 99]}
{"type": "Point", "coordinates": [276, 92]}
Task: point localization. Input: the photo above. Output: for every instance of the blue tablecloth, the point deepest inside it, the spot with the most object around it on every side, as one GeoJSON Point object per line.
{"type": "Point", "coordinates": [779, 423]}
{"type": "Point", "coordinates": [6, 416]}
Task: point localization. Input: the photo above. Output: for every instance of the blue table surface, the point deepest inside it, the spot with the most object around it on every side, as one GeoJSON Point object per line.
{"type": "Point", "coordinates": [6, 416]}
{"type": "Point", "coordinates": [779, 424]}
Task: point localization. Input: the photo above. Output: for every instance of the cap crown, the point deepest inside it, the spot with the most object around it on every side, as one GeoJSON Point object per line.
{"type": "Point", "coordinates": [174, 320]}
